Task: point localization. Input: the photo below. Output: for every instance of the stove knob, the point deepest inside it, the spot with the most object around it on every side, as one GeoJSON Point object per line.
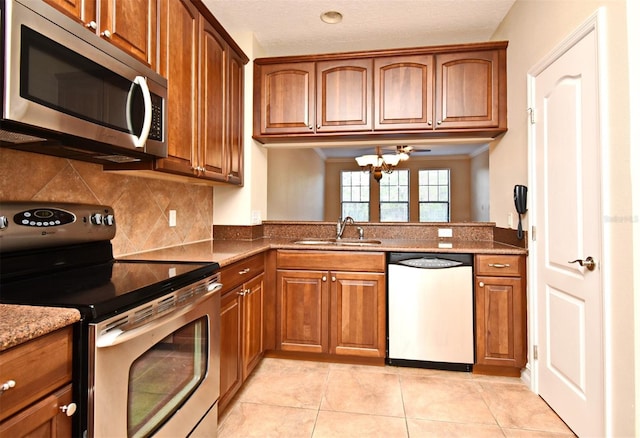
{"type": "Point", "coordinates": [4, 222]}
{"type": "Point", "coordinates": [96, 219]}
{"type": "Point", "coordinates": [109, 220]}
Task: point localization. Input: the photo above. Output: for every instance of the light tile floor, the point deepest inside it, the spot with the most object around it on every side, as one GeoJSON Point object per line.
{"type": "Point", "coordinates": [286, 398]}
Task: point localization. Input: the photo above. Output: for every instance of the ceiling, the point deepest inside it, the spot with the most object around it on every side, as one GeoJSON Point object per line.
{"type": "Point", "coordinates": [293, 27]}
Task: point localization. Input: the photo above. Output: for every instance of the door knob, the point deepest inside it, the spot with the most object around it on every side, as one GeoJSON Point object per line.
{"type": "Point", "coordinates": [588, 263]}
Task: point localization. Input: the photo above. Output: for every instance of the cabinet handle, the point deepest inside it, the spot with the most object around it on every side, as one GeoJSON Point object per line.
{"type": "Point", "coordinates": [92, 25]}
{"type": "Point", "coordinates": [7, 385]}
{"type": "Point", "coordinates": [324, 278]}
{"type": "Point", "coordinates": [333, 278]}
{"type": "Point", "coordinates": [106, 34]}
{"type": "Point", "coordinates": [244, 271]}
{"type": "Point", "coordinates": [499, 265]}
{"type": "Point", "coordinates": [69, 409]}
{"type": "Point", "coordinates": [481, 284]}
{"type": "Point", "coordinates": [242, 292]}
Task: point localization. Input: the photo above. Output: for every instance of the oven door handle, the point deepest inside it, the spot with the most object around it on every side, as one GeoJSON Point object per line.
{"type": "Point", "coordinates": [118, 336]}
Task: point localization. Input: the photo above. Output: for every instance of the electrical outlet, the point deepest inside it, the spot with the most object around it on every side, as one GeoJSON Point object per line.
{"type": "Point", "coordinates": [256, 217]}
{"type": "Point", "coordinates": [510, 220]}
{"type": "Point", "coordinates": [445, 232]}
{"type": "Point", "coordinates": [172, 218]}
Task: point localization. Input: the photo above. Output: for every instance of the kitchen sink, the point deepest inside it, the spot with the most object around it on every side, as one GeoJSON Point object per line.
{"type": "Point", "coordinates": [341, 242]}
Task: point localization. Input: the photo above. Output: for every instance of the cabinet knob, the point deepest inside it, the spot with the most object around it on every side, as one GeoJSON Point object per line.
{"type": "Point", "coordinates": [333, 278]}
{"type": "Point", "coordinates": [69, 409]}
{"type": "Point", "coordinates": [106, 34]}
{"type": "Point", "coordinates": [311, 127]}
{"type": "Point", "coordinates": [319, 126]}
{"type": "Point", "coordinates": [92, 25]}
{"type": "Point", "coordinates": [7, 385]}
{"type": "Point", "coordinates": [439, 122]}
{"type": "Point", "coordinates": [481, 284]}
{"type": "Point", "coordinates": [324, 278]}
{"type": "Point", "coordinates": [429, 122]}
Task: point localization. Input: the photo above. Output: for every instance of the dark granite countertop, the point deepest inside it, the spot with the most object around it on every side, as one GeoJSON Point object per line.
{"type": "Point", "coordinates": [20, 324]}
{"type": "Point", "coordinates": [226, 252]}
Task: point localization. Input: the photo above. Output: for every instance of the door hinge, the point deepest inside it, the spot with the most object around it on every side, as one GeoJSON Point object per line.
{"type": "Point", "coordinates": [532, 116]}
{"type": "Point", "coordinates": [535, 352]}
{"type": "Point", "coordinates": [533, 233]}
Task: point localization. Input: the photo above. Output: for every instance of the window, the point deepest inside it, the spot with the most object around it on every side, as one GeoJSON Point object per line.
{"type": "Point", "coordinates": [433, 195]}
{"type": "Point", "coordinates": [354, 195]}
{"type": "Point", "coordinates": [394, 196]}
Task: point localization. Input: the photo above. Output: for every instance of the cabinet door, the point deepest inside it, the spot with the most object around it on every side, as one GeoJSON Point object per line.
{"type": "Point", "coordinates": [253, 307]}
{"type": "Point", "coordinates": [83, 11]}
{"type": "Point", "coordinates": [131, 25]}
{"type": "Point", "coordinates": [303, 311]}
{"type": "Point", "coordinates": [213, 61]}
{"type": "Point", "coordinates": [467, 90]}
{"type": "Point", "coordinates": [358, 314]}
{"type": "Point", "coordinates": [500, 322]}
{"type": "Point", "coordinates": [344, 94]}
{"type": "Point", "coordinates": [42, 419]}
{"type": "Point", "coordinates": [403, 92]}
{"type": "Point", "coordinates": [230, 346]}
{"type": "Point", "coordinates": [179, 63]}
{"type": "Point", "coordinates": [287, 98]}
{"type": "Point", "coordinates": [235, 120]}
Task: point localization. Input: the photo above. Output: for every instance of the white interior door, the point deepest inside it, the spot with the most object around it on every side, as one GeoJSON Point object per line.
{"type": "Point", "coordinates": [568, 227]}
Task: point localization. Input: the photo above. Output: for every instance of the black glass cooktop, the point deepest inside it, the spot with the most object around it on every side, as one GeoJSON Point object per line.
{"type": "Point", "coordinates": [101, 290]}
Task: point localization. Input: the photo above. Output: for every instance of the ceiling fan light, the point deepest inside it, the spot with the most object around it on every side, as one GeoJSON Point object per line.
{"type": "Point", "coordinates": [367, 160]}
{"type": "Point", "coordinates": [391, 159]}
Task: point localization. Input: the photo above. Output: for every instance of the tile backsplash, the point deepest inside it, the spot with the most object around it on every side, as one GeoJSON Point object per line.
{"type": "Point", "coordinates": [141, 205]}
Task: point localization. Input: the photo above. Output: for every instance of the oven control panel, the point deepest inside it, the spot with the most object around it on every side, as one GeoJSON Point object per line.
{"type": "Point", "coordinates": [32, 224]}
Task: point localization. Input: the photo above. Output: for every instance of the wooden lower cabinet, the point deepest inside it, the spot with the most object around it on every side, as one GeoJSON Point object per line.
{"type": "Point", "coordinates": [41, 370]}
{"type": "Point", "coordinates": [337, 312]}
{"type": "Point", "coordinates": [500, 301]}
{"type": "Point", "coordinates": [241, 325]}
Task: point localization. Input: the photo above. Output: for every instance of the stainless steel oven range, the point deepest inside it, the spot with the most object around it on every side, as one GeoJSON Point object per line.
{"type": "Point", "coordinates": [146, 351]}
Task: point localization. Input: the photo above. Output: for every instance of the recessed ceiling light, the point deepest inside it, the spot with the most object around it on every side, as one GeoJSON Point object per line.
{"type": "Point", "coordinates": [331, 17]}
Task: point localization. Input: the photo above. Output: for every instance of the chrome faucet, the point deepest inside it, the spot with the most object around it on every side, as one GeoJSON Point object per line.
{"type": "Point", "coordinates": [342, 224]}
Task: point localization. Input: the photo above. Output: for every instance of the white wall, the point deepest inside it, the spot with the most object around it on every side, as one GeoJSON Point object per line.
{"type": "Point", "coordinates": [633, 12]}
{"type": "Point", "coordinates": [534, 28]}
{"type": "Point", "coordinates": [480, 186]}
{"type": "Point", "coordinates": [296, 185]}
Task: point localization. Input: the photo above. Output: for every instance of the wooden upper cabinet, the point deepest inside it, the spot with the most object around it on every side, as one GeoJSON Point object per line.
{"type": "Point", "coordinates": [467, 90]}
{"type": "Point", "coordinates": [210, 154]}
{"type": "Point", "coordinates": [178, 62]}
{"type": "Point", "coordinates": [130, 25]}
{"type": "Point", "coordinates": [444, 91]}
{"type": "Point", "coordinates": [344, 95]}
{"type": "Point", "coordinates": [403, 92]}
{"type": "Point", "coordinates": [234, 150]}
{"type": "Point", "coordinates": [287, 97]}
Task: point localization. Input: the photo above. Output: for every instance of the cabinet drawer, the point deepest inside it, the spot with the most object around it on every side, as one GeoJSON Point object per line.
{"type": "Point", "coordinates": [37, 367]}
{"type": "Point", "coordinates": [500, 265]}
{"type": "Point", "coordinates": [237, 273]}
{"type": "Point", "coordinates": [331, 260]}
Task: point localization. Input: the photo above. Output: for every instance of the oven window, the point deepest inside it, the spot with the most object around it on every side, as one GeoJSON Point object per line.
{"type": "Point", "coordinates": [164, 377]}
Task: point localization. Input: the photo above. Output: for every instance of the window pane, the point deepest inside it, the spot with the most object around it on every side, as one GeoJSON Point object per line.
{"type": "Point", "coordinates": [394, 196]}
{"type": "Point", "coordinates": [434, 212]}
{"type": "Point", "coordinates": [394, 212]}
{"type": "Point", "coordinates": [434, 192]}
{"type": "Point", "coordinates": [355, 195]}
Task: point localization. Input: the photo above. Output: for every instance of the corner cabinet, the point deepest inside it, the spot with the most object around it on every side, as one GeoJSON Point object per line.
{"type": "Point", "coordinates": [500, 301]}
{"type": "Point", "coordinates": [204, 118]}
{"type": "Point", "coordinates": [429, 92]}
{"type": "Point", "coordinates": [39, 404]}
{"type": "Point", "coordinates": [331, 303]}
{"type": "Point", "coordinates": [241, 324]}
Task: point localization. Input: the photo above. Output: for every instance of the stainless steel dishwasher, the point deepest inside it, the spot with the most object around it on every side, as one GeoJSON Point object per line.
{"type": "Point", "coordinates": [430, 310]}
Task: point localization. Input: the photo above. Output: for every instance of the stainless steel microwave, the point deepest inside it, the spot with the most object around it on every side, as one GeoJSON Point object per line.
{"type": "Point", "coordinates": [69, 93]}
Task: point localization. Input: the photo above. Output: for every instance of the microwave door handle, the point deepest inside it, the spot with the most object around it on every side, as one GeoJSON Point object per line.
{"type": "Point", "coordinates": [146, 124]}
{"type": "Point", "coordinates": [118, 336]}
